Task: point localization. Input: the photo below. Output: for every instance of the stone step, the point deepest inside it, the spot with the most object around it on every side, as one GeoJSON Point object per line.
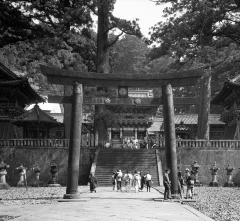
{"type": "Point", "coordinates": [110, 160]}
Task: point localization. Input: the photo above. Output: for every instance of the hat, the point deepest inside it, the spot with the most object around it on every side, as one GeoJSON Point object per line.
{"type": "Point", "coordinates": [187, 169]}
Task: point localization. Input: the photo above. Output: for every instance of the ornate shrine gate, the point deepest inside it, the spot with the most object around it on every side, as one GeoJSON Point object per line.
{"type": "Point", "coordinates": [77, 79]}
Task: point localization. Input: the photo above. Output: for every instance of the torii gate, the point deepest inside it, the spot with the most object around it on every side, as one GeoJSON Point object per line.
{"type": "Point", "coordinates": [77, 79]}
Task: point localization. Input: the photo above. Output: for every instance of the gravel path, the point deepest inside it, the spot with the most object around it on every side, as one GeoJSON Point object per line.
{"type": "Point", "coordinates": [219, 203]}
{"type": "Point", "coordinates": [40, 195]}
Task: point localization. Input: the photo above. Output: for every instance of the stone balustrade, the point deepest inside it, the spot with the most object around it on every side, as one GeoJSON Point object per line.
{"type": "Point", "coordinates": [37, 143]}
{"type": "Point", "coordinates": [64, 143]}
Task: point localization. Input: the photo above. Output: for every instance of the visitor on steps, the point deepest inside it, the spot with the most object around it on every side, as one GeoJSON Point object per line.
{"type": "Point", "coordinates": [93, 183]}
{"type": "Point", "coordinates": [119, 180]}
{"type": "Point", "coordinates": [148, 178]}
{"type": "Point", "coordinates": [127, 180]}
{"type": "Point", "coordinates": [137, 181]}
{"type": "Point", "coordinates": [167, 185]}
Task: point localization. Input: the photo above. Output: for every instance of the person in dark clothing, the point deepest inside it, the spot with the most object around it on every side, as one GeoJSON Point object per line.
{"type": "Point", "coordinates": [181, 181]}
{"type": "Point", "coordinates": [167, 185]}
{"type": "Point", "coordinates": [142, 180]}
{"type": "Point", "coordinates": [93, 183]}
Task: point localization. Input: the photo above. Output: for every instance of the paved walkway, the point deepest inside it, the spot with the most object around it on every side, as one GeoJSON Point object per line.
{"type": "Point", "coordinates": [106, 205]}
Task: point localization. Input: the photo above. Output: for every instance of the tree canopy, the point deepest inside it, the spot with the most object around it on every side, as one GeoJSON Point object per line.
{"type": "Point", "coordinates": [191, 24]}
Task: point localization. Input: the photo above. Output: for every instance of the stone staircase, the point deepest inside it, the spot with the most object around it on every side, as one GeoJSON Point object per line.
{"type": "Point", "coordinates": [110, 160]}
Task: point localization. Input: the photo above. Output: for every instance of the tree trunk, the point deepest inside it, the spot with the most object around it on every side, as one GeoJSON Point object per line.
{"type": "Point", "coordinates": [102, 63]}
{"type": "Point", "coordinates": [204, 107]}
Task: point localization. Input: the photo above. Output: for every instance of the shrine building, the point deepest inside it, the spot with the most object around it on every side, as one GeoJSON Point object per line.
{"type": "Point", "coordinates": [15, 94]}
{"type": "Point", "coordinates": [228, 97]}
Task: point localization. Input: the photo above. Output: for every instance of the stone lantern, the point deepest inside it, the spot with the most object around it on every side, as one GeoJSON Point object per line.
{"type": "Point", "coordinates": [229, 182]}
{"type": "Point", "coordinates": [3, 173]}
{"type": "Point", "coordinates": [195, 169]}
{"type": "Point", "coordinates": [53, 180]}
{"type": "Point", "coordinates": [214, 170]}
{"type": "Point", "coordinates": [22, 176]}
{"type": "Point", "coordinates": [36, 171]}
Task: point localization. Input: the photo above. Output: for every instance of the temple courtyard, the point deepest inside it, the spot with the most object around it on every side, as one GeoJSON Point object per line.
{"type": "Point", "coordinates": [43, 203]}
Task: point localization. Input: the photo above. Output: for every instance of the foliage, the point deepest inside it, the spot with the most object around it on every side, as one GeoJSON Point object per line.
{"type": "Point", "coordinates": [191, 24]}
{"type": "Point", "coordinates": [129, 55]}
{"type": "Point", "coordinates": [24, 57]}
{"type": "Point", "coordinates": [15, 26]}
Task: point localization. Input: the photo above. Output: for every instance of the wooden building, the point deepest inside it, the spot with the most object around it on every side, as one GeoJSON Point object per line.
{"type": "Point", "coordinates": [186, 126]}
{"type": "Point", "coordinates": [128, 125]}
{"type": "Point", "coordinates": [36, 123]}
{"type": "Point", "coordinates": [229, 98]}
{"type": "Point", "coordinates": [15, 94]}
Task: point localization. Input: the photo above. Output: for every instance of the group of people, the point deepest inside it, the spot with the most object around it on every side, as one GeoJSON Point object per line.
{"type": "Point", "coordinates": [128, 180]}
{"type": "Point", "coordinates": [188, 180]}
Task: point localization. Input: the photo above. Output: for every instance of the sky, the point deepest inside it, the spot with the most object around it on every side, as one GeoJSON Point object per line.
{"type": "Point", "coordinates": [146, 11]}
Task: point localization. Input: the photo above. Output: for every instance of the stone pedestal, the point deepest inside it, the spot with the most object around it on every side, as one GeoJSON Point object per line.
{"type": "Point", "coordinates": [3, 183]}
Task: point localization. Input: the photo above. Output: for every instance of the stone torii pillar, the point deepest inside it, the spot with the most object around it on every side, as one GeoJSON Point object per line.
{"type": "Point", "coordinates": [75, 142]}
{"type": "Point", "coordinates": [170, 137]}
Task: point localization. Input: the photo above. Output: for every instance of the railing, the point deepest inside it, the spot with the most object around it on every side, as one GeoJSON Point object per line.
{"type": "Point", "coordinates": [64, 143]}
{"type": "Point", "coordinates": [34, 143]}
{"type": "Point", "coordinates": [228, 144]}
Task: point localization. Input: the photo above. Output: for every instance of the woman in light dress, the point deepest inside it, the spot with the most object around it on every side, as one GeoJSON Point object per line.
{"type": "Point", "coordinates": [137, 181]}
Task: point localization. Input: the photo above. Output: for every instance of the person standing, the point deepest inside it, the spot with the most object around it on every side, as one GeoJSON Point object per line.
{"type": "Point", "coordinates": [137, 181]}
{"type": "Point", "coordinates": [167, 185]}
{"type": "Point", "coordinates": [114, 175]}
{"type": "Point", "coordinates": [181, 181]}
{"type": "Point", "coordinates": [127, 179]}
{"type": "Point", "coordinates": [142, 180]}
{"type": "Point", "coordinates": [119, 180]}
{"type": "Point", "coordinates": [190, 185]}
{"type": "Point", "coordinates": [93, 183]}
{"type": "Point", "coordinates": [148, 179]}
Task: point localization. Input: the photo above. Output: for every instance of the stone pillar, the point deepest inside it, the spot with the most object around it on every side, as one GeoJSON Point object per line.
{"type": "Point", "coordinates": [136, 133]}
{"type": "Point", "coordinates": [109, 134]}
{"type": "Point", "coordinates": [67, 112]}
{"type": "Point", "coordinates": [170, 137]}
{"type": "Point", "coordinates": [121, 132]}
{"type": "Point", "coordinates": [75, 141]}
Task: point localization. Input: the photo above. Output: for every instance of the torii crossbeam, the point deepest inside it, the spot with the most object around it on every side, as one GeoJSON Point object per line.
{"type": "Point", "coordinates": [164, 80]}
